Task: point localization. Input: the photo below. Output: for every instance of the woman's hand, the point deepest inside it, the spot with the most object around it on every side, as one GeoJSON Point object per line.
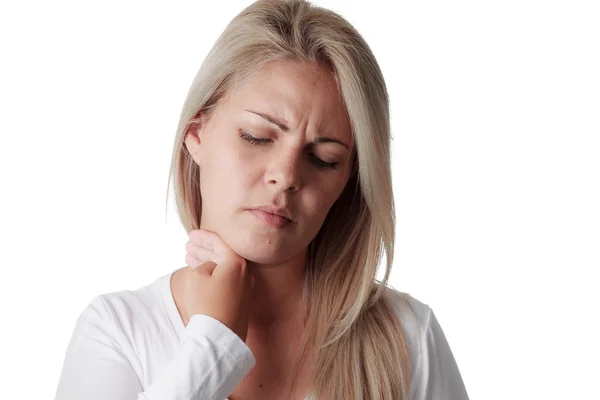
{"type": "Point", "coordinates": [217, 283]}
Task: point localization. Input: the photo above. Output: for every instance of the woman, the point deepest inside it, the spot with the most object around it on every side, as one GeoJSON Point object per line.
{"type": "Point", "coordinates": [282, 180]}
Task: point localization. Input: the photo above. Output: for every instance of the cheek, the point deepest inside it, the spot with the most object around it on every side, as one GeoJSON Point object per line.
{"type": "Point", "coordinates": [318, 205]}
{"type": "Point", "coordinates": [244, 170]}
{"type": "Point", "coordinates": [232, 173]}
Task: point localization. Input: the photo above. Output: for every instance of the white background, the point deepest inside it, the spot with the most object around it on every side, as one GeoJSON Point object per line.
{"type": "Point", "coordinates": [496, 124]}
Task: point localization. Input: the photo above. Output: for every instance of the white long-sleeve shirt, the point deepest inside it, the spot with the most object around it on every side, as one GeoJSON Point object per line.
{"type": "Point", "coordinates": [133, 345]}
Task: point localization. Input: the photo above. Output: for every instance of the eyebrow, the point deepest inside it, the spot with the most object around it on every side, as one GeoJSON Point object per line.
{"type": "Point", "coordinates": [285, 128]}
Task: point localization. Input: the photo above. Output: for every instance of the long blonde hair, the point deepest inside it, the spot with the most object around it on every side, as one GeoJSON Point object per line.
{"type": "Point", "coordinates": [355, 343]}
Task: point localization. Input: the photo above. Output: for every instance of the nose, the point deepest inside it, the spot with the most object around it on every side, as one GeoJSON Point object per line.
{"type": "Point", "coordinates": [283, 172]}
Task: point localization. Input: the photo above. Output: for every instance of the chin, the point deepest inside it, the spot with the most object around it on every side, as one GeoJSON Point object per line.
{"type": "Point", "coordinates": [262, 253]}
{"type": "Point", "coordinates": [259, 249]}
{"type": "Point", "coordinates": [259, 246]}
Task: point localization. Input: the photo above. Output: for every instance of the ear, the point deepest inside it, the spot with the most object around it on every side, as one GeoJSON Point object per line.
{"type": "Point", "coordinates": [193, 133]}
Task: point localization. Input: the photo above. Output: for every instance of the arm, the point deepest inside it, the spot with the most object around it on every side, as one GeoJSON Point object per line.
{"type": "Point", "coordinates": [211, 361]}
{"type": "Point", "coordinates": [437, 376]}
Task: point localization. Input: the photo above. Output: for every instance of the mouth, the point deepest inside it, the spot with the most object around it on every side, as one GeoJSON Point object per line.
{"type": "Point", "coordinates": [270, 219]}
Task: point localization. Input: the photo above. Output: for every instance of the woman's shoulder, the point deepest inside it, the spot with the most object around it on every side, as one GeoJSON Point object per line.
{"type": "Point", "coordinates": [413, 314]}
{"type": "Point", "coordinates": [414, 317]}
{"type": "Point", "coordinates": [135, 314]}
{"type": "Point", "coordinates": [128, 303]}
{"type": "Point", "coordinates": [434, 371]}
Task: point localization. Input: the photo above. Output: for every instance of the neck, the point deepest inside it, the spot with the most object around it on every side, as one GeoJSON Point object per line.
{"type": "Point", "coordinates": [277, 292]}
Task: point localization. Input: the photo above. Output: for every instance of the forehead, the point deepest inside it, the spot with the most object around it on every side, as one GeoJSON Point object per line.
{"type": "Point", "coordinates": [297, 92]}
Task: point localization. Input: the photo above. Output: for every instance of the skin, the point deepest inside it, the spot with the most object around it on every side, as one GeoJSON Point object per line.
{"type": "Point", "coordinates": [237, 175]}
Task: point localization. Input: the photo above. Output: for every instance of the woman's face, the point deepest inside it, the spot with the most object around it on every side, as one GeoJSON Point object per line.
{"type": "Point", "coordinates": [282, 140]}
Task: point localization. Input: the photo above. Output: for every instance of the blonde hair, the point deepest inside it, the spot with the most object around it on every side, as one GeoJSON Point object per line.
{"type": "Point", "coordinates": [353, 339]}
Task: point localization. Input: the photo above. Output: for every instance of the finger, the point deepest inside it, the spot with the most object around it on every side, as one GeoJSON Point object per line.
{"type": "Point", "coordinates": [231, 268]}
{"type": "Point", "coordinates": [202, 238]}
{"type": "Point", "coordinates": [210, 240]}
{"type": "Point", "coordinates": [200, 252]}
{"type": "Point", "coordinates": [216, 243]}
{"type": "Point", "coordinates": [206, 268]}
{"type": "Point", "coordinates": [192, 262]}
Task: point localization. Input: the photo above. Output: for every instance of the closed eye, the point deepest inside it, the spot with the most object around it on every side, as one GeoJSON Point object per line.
{"type": "Point", "coordinates": [321, 164]}
{"type": "Point", "coordinates": [252, 139]}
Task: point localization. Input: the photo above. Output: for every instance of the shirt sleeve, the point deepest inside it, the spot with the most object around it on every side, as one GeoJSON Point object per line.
{"type": "Point", "coordinates": [210, 363]}
{"type": "Point", "coordinates": [437, 376]}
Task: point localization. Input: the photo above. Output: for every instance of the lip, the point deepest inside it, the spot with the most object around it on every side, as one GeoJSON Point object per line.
{"type": "Point", "coordinates": [274, 220]}
{"type": "Point", "coordinates": [279, 211]}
